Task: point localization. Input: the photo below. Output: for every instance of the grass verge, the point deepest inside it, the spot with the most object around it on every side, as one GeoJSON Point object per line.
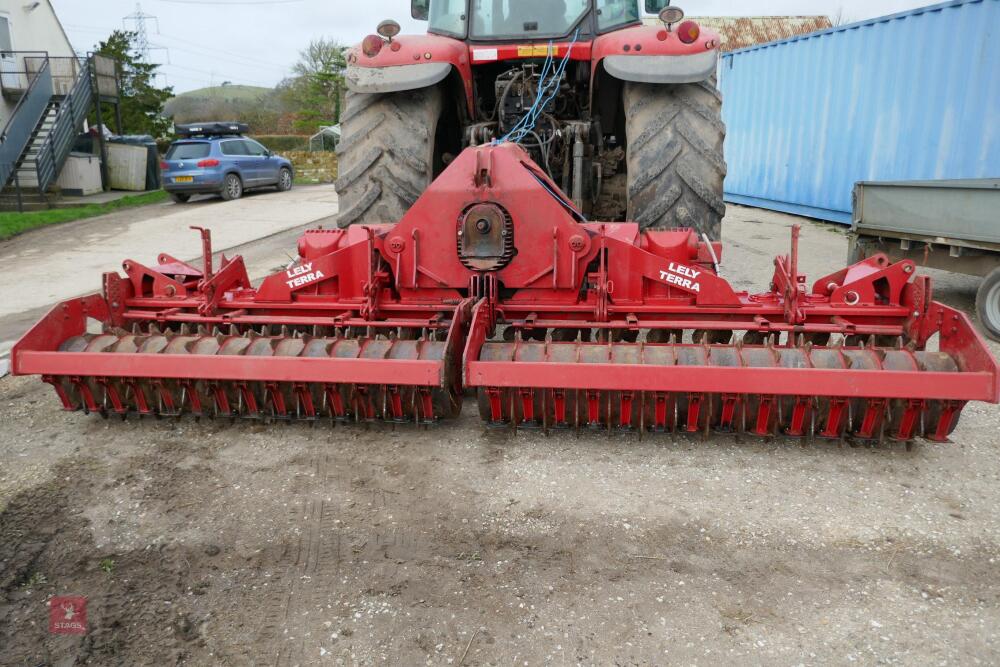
{"type": "Point", "coordinates": [12, 224]}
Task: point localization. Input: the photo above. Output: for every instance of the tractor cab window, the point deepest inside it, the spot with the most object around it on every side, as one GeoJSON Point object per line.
{"type": "Point", "coordinates": [525, 19]}
{"type": "Point", "coordinates": [613, 13]}
{"type": "Point", "coordinates": [448, 17]}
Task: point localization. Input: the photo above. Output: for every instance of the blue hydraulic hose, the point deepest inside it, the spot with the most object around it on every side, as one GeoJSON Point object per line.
{"type": "Point", "coordinates": [520, 125]}
{"type": "Point", "coordinates": [547, 90]}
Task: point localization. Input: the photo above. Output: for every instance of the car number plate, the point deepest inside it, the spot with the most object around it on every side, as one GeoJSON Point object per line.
{"type": "Point", "coordinates": [183, 179]}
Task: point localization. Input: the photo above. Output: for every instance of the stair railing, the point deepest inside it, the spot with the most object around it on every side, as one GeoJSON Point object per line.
{"type": "Point", "coordinates": [58, 143]}
{"type": "Point", "coordinates": [28, 111]}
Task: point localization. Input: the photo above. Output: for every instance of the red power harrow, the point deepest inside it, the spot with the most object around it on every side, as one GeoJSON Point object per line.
{"type": "Point", "coordinates": [494, 281]}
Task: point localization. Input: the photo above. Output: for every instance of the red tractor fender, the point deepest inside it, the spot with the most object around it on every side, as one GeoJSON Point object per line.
{"type": "Point", "coordinates": [651, 54]}
{"type": "Point", "coordinates": [410, 62]}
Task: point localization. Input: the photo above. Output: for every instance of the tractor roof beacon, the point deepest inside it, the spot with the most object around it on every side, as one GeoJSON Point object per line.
{"type": "Point", "coordinates": [624, 117]}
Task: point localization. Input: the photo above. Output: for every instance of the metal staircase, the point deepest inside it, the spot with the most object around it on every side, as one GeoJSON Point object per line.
{"type": "Point", "coordinates": [27, 165]}
{"type": "Point", "coordinates": [39, 134]}
{"type": "Point", "coordinates": [31, 108]}
{"type": "Point", "coordinates": [68, 114]}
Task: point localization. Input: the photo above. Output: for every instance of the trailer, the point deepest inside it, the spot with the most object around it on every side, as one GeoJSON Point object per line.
{"type": "Point", "coordinates": [953, 225]}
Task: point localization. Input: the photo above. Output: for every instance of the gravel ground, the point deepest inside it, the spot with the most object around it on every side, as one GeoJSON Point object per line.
{"type": "Point", "coordinates": [211, 543]}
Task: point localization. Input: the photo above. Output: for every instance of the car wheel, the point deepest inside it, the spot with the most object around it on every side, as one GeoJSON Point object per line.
{"type": "Point", "coordinates": [179, 197]}
{"type": "Point", "coordinates": [284, 180]}
{"type": "Point", "coordinates": [232, 187]}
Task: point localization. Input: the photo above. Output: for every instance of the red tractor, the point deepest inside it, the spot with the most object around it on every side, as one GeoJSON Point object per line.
{"type": "Point", "coordinates": [624, 117]}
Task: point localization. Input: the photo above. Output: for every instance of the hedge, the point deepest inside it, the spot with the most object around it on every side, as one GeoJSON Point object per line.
{"type": "Point", "coordinates": [276, 142]}
{"type": "Point", "coordinates": [284, 142]}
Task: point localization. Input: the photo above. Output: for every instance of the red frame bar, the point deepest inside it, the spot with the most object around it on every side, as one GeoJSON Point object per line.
{"type": "Point", "coordinates": [408, 372]}
{"type": "Point", "coordinates": [960, 386]}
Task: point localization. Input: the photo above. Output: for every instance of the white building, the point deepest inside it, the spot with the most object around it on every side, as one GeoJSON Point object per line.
{"type": "Point", "coordinates": [46, 92]}
{"type": "Point", "coordinates": [30, 26]}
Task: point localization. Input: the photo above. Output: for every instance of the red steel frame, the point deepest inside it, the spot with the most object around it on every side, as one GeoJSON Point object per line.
{"type": "Point", "coordinates": [566, 274]}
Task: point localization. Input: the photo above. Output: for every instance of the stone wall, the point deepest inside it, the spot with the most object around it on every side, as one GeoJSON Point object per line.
{"type": "Point", "coordinates": [313, 167]}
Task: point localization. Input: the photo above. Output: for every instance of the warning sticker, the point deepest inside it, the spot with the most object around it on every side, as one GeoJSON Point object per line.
{"type": "Point", "coordinates": [533, 50]}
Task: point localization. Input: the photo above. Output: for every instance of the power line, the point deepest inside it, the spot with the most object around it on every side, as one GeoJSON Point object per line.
{"type": "Point", "coordinates": [204, 53]}
{"type": "Point", "coordinates": [215, 73]}
{"type": "Point", "coordinates": [235, 3]}
{"type": "Point", "coordinates": [209, 48]}
{"type": "Point", "coordinates": [227, 75]}
{"type": "Point", "coordinates": [195, 49]}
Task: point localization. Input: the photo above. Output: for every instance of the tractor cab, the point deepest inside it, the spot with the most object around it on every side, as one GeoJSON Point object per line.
{"type": "Point", "coordinates": [622, 116]}
{"type": "Point", "coordinates": [502, 20]}
{"type": "Point", "coordinates": [520, 20]}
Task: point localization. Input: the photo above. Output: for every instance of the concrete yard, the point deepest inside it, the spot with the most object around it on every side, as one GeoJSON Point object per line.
{"type": "Point", "coordinates": [55, 263]}
{"type": "Point", "coordinates": [237, 544]}
{"type": "Point", "coordinates": [67, 260]}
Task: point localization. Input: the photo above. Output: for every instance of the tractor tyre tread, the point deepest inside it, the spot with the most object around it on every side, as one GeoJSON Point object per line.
{"type": "Point", "coordinates": [675, 158]}
{"type": "Point", "coordinates": [385, 153]}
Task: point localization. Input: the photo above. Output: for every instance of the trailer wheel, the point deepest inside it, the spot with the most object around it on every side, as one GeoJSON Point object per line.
{"type": "Point", "coordinates": [857, 249]}
{"type": "Point", "coordinates": [988, 304]}
{"type": "Point", "coordinates": [674, 157]}
{"type": "Point", "coordinates": [386, 153]}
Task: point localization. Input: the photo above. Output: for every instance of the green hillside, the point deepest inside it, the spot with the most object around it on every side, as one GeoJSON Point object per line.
{"type": "Point", "coordinates": [231, 92]}
{"type": "Point", "coordinates": [220, 103]}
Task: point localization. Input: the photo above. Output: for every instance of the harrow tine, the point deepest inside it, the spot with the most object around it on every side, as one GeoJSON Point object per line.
{"type": "Point", "coordinates": [800, 413]}
{"type": "Point", "coordinates": [86, 395]}
{"type": "Point", "coordinates": [728, 413]}
{"type": "Point", "coordinates": [111, 394]}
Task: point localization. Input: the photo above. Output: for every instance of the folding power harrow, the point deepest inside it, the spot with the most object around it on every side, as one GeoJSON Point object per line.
{"type": "Point", "coordinates": [493, 281]}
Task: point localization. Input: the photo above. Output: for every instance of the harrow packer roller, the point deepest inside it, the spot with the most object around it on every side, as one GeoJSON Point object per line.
{"type": "Point", "coordinates": [493, 281]}
{"type": "Point", "coordinates": [247, 370]}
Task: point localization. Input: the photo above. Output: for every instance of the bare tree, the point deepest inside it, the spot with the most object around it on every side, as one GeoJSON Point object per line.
{"type": "Point", "coordinates": [322, 56]}
{"type": "Point", "coordinates": [316, 89]}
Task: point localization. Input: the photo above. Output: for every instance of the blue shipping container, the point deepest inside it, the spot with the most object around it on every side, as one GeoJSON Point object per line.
{"type": "Point", "coordinates": [914, 95]}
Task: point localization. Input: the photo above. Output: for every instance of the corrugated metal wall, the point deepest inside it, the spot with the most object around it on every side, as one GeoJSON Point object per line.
{"type": "Point", "coordinates": [914, 95]}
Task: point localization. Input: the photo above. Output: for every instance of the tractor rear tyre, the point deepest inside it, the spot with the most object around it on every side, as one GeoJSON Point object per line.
{"type": "Point", "coordinates": [386, 153]}
{"type": "Point", "coordinates": [674, 157]}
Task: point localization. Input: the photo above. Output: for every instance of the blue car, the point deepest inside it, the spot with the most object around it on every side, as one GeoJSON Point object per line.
{"type": "Point", "coordinates": [215, 158]}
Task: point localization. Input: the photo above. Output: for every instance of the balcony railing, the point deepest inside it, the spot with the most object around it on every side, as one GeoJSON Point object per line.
{"type": "Point", "coordinates": [18, 69]}
{"type": "Point", "coordinates": [65, 70]}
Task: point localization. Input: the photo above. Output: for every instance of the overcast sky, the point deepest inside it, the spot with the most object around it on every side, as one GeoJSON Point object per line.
{"type": "Point", "coordinates": [256, 42]}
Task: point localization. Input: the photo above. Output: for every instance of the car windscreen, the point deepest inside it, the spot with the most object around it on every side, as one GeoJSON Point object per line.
{"type": "Point", "coordinates": [189, 151]}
